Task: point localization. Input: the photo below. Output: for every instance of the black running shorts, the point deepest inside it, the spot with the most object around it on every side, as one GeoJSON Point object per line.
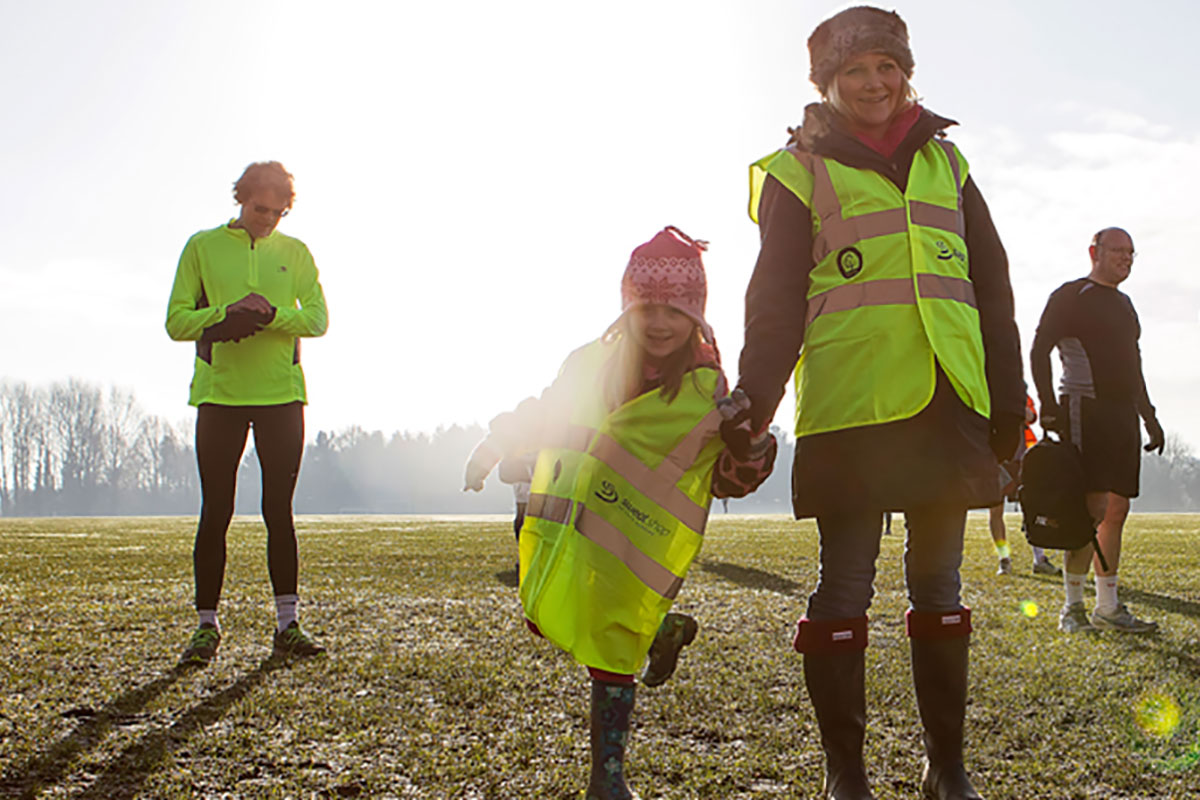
{"type": "Point", "coordinates": [1109, 437]}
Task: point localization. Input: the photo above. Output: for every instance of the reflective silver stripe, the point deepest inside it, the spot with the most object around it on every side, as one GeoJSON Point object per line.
{"type": "Point", "coordinates": [825, 202]}
{"type": "Point", "coordinates": [885, 292]}
{"type": "Point", "coordinates": [606, 535]}
{"type": "Point", "coordinates": [929, 215]}
{"type": "Point", "coordinates": [680, 460]}
{"type": "Point", "coordinates": [658, 487]}
{"type": "Point", "coordinates": [954, 167]}
{"type": "Point", "coordinates": [944, 287]}
{"type": "Point", "coordinates": [837, 233]}
{"type": "Point", "coordinates": [549, 507]}
{"type": "Point", "coordinates": [889, 292]}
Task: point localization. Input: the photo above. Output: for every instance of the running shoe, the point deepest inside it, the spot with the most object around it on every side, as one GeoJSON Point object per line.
{"type": "Point", "coordinates": [1122, 620]}
{"type": "Point", "coordinates": [292, 641]}
{"type": "Point", "coordinates": [1005, 566]}
{"type": "Point", "coordinates": [1046, 567]}
{"type": "Point", "coordinates": [202, 647]}
{"type": "Point", "coordinates": [1074, 619]}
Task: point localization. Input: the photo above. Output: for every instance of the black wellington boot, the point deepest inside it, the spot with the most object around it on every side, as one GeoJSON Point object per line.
{"type": "Point", "coordinates": [836, 687]}
{"type": "Point", "coordinates": [612, 705]}
{"type": "Point", "coordinates": [940, 679]}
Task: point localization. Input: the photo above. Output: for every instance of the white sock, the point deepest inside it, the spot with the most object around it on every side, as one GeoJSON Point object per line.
{"type": "Point", "coordinates": [208, 615]}
{"type": "Point", "coordinates": [1074, 586]}
{"type": "Point", "coordinates": [1106, 593]}
{"type": "Point", "coordinates": [285, 608]}
{"type": "Point", "coordinates": [1039, 555]}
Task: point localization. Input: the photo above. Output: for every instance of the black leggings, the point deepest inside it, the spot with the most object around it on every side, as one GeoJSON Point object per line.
{"type": "Point", "coordinates": [220, 442]}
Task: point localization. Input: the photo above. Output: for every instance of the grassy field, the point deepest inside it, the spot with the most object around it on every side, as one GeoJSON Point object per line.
{"type": "Point", "coordinates": [433, 688]}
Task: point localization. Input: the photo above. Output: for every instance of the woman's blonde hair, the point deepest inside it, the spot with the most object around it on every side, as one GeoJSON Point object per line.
{"type": "Point", "coordinates": [833, 98]}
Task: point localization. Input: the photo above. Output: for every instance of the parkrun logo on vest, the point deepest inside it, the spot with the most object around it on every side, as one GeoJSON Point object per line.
{"type": "Point", "coordinates": [849, 262]}
{"type": "Point", "coordinates": [945, 252]}
{"type": "Point", "coordinates": [608, 493]}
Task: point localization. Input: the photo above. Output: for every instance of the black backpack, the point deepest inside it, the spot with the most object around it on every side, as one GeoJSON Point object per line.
{"type": "Point", "coordinates": [1053, 498]}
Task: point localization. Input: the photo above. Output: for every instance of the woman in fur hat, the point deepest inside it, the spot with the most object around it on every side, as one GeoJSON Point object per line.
{"type": "Point", "coordinates": [881, 282]}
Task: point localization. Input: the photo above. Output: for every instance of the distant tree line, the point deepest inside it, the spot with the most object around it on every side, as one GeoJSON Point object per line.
{"type": "Point", "coordinates": [73, 448]}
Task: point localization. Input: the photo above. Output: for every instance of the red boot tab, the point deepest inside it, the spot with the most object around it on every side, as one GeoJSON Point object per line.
{"type": "Point", "coordinates": [534, 628]}
{"type": "Point", "coordinates": [604, 676]}
{"type": "Point", "coordinates": [938, 624]}
{"type": "Point", "coordinates": [830, 635]}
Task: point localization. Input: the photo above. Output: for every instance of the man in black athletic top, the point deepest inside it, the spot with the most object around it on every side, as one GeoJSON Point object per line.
{"type": "Point", "coordinates": [1102, 394]}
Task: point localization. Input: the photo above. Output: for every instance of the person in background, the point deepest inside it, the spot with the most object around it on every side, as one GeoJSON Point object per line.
{"type": "Point", "coordinates": [1102, 393]}
{"type": "Point", "coordinates": [246, 294]}
{"type": "Point", "coordinates": [881, 283]}
{"type": "Point", "coordinates": [630, 455]}
{"type": "Point", "coordinates": [517, 471]}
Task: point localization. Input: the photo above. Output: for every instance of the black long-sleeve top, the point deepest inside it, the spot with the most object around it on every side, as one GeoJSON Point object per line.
{"type": "Point", "coordinates": [1096, 331]}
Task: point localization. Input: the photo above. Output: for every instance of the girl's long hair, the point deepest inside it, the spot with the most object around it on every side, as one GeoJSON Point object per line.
{"type": "Point", "coordinates": [623, 375]}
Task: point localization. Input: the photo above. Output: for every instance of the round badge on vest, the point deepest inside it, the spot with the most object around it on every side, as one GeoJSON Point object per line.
{"type": "Point", "coordinates": [849, 262]}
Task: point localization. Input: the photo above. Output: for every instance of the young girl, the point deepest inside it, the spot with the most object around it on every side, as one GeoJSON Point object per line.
{"type": "Point", "coordinates": [630, 455]}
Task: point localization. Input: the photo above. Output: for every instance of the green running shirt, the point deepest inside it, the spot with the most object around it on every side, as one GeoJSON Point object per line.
{"type": "Point", "coordinates": [217, 268]}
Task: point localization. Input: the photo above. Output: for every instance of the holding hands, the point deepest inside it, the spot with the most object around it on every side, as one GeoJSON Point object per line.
{"type": "Point", "coordinates": [743, 442]}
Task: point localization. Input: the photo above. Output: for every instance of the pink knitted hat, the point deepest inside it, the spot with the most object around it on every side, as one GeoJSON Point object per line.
{"type": "Point", "coordinates": [668, 270]}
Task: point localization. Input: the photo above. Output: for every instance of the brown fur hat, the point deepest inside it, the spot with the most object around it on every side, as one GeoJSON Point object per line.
{"type": "Point", "coordinates": [862, 29]}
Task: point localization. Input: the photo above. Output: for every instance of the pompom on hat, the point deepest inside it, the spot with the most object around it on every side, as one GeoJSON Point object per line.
{"type": "Point", "coordinates": [861, 29]}
{"type": "Point", "coordinates": [668, 270]}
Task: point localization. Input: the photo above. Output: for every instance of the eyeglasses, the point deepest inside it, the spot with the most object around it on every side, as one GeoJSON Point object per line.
{"type": "Point", "coordinates": [1121, 251]}
{"type": "Point", "coordinates": [278, 213]}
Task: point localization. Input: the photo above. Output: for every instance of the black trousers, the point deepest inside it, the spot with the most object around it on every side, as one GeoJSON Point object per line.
{"type": "Point", "coordinates": [220, 441]}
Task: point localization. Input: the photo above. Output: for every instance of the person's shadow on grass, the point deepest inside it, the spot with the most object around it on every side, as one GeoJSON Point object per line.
{"type": "Point", "coordinates": [751, 578]}
{"type": "Point", "coordinates": [125, 774]}
{"type": "Point", "coordinates": [49, 767]}
{"type": "Point", "coordinates": [123, 777]}
{"type": "Point", "coordinates": [508, 577]}
{"type": "Point", "coordinates": [1162, 602]}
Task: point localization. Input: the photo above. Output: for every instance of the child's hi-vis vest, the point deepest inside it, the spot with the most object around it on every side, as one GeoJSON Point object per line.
{"type": "Point", "coordinates": [890, 292]}
{"type": "Point", "coordinates": [617, 512]}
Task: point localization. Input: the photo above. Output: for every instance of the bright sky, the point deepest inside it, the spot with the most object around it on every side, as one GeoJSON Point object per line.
{"type": "Point", "coordinates": [471, 176]}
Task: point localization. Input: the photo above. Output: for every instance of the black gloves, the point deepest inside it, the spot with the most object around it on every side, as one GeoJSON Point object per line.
{"type": "Point", "coordinates": [244, 318]}
{"type": "Point", "coordinates": [1158, 440]}
{"type": "Point", "coordinates": [1005, 434]}
{"type": "Point", "coordinates": [235, 327]}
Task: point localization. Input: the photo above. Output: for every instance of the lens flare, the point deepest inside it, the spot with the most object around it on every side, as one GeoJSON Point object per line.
{"type": "Point", "coordinates": [1029, 608]}
{"type": "Point", "coordinates": [1157, 714]}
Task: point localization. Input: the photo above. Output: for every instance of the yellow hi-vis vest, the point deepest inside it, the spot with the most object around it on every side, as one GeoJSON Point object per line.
{"type": "Point", "coordinates": [889, 293]}
{"type": "Point", "coordinates": [616, 513]}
